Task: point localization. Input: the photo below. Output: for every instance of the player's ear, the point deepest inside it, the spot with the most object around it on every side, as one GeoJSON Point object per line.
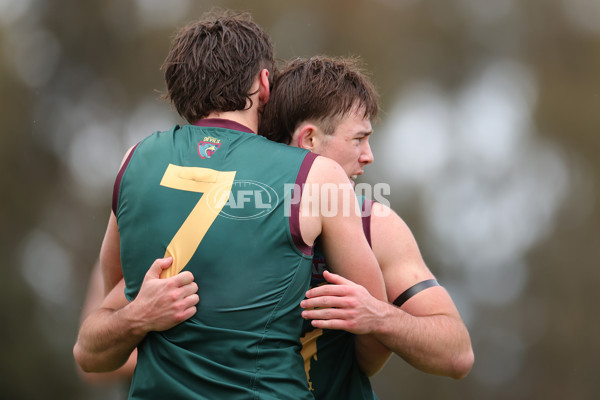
{"type": "Point", "coordinates": [263, 86]}
{"type": "Point", "coordinates": [305, 137]}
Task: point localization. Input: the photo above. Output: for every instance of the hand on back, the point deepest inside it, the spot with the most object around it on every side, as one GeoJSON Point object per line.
{"type": "Point", "coordinates": [163, 303]}
{"type": "Point", "coordinates": [342, 305]}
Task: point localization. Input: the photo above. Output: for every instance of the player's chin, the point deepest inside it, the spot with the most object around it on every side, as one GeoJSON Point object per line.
{"type": "Point", "coordinates": [352, 178]}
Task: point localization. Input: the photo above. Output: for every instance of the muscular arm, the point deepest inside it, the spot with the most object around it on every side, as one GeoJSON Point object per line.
{"type": "Point", "coordinates": [109, 335]}
{"type": "Point", "coordinates": [105, 340]}
{"type": "Point", "coordinates": [340, 228]}
{"type": "Point", "coordinates": [426, 331]}
{"type": "Point", "coordinates": [346, 249]}
{"type": "Point", "coordinates": [94, 298]}
{"type": "Point", "coordinates": [110, 256]}
{"type": "Point", "coordinates": [110, 252]}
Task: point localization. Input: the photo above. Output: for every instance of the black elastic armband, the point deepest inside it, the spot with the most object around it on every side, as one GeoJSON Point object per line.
{"type": "Point", "coordinates": [411, 291]}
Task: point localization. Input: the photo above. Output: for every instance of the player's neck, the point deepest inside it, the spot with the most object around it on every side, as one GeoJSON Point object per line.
{"type": "Point", "coordinates": [248, 118]}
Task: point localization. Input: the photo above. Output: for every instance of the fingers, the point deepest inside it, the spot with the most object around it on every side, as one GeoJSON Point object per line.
{"type": "Point", "coordinates": [186, 296]}
{"type": "Point", "coordinates": [331, 324]}
{"type": "Point", "coordinates": [328, 302]}
{"type": "Point", "coordinates": [178, 294]}
{"type": "Point", "coordinates": [194, 298]}
{"type": "Point", "coordinates": [188, 305]}
{"type": "Point", "coordinates": [189, 289]}
{"type": "Point", "coordinates": [158, 266]}
{"type": "Point", "coordinates": [183, 278]}
{"type": "Point", "coordinates": [340, 286]}
{"type": "Point", "coordinates": [191, 300]}
{"type": "Point", "coordinates": [320, 301]}
{"type": "Point", "coordinates": [326, 313]}
{"type": "Point", "coordinates": [336, 279]}
{"type": "Point", "coordinates": [188, 313]}
{"type": "Point", "coordinates": [331, 290]}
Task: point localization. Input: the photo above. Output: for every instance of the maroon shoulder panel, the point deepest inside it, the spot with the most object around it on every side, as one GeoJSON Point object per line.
{"type": "Point", "coordinates": [115, 197]}
{"type": "Point", "coordinates": [367, 207]}
{"type": "Point", "coordinates": [294, 219]}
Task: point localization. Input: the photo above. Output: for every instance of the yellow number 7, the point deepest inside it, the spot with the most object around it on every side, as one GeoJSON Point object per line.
{"type": "Point", "coordinates": [192, 231]}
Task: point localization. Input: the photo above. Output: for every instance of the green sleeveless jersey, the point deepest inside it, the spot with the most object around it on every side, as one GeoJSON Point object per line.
{"type": "Point", "coordinates": [214, 197]}
{"type": "Point", "coordinates": [329, 355]}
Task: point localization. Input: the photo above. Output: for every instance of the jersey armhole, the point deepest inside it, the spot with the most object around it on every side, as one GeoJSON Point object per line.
{"type": "Point", "coordinates": [294, 219]}
{"type": "Point", "coordinates": [117, 186]}
{"type": "Point", "coordinates": [366, 210]}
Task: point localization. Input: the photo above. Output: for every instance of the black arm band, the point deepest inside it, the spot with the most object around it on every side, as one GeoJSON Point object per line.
{"type": "Point", "coordinates": [411, 291]}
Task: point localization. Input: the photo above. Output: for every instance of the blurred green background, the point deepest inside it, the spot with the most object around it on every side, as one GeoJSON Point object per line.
{"type": "Point", "coordinates": [489, 138]}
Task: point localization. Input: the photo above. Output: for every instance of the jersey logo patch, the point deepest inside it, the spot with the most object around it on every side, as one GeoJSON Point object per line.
{"type": "Point", "coordinates": [208, 146]}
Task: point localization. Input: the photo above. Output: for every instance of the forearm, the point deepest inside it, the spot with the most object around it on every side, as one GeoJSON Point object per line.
{"type": "Point", "coordinates": [106, 340]}
{"type": "Point", "coordinates": [437, 344]}
{"type": "Point", "coordinates": [370, 354]}
{"type": "Point", "coordinates": [109, 335]}
{"type": "Point", "coordinates": [123, 373]}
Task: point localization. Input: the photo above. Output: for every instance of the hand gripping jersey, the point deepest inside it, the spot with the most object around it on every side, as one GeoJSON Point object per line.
{"type": "Point", "coordinates": [329, 355]}
{"type": "Point", "coordinates": [214, 197]}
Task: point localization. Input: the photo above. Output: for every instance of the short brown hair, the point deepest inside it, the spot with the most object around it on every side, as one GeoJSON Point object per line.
{"type": "Point", "coordinates": [213, 62]}
{"type": "Point", "coordinates": [320, 89]}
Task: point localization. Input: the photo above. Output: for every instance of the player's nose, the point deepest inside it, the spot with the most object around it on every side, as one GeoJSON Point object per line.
{"type": "Point", "coordinates": [366, 156]}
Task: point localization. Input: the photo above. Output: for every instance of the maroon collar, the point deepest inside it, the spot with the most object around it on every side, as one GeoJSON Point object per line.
{"type": "Point", "coordinates": [223, 123]}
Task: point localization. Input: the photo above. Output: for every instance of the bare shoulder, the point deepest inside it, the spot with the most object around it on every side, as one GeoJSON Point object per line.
{"type": "Point", "coordinates": [325, 170]}
{"type": "Point", "coordinates": [326, 184]}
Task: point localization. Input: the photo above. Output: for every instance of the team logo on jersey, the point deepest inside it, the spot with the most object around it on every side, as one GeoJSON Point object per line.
{"type": "Point", "coordinates": [208, 146]}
